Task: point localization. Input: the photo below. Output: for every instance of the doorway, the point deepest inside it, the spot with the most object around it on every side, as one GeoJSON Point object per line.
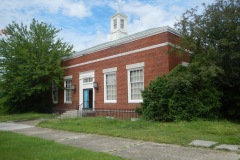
{"type": "Point", "coordinates": [88, 98]}
{"type": "Point", "coordinates": [86, 91]}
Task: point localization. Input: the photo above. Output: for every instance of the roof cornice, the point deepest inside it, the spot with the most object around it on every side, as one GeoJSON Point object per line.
{"type": "Point", "coordinates": [121, 14]}
{"type": "Point", "coordinates": [123, 40]}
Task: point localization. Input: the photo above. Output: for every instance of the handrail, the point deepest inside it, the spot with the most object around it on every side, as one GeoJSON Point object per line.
{"type": "Point", "coordinates": [80, 110]}
{"type": "Point", "coordinates": [79, 106]}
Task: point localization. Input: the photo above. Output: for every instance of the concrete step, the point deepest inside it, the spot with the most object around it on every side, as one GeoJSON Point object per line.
{"type": "Point", "coordinates": [88, 113]}
{"type": "Point", "coordinates": [78, 113]}
{"type": "Point", "coordinates": [70, 114]}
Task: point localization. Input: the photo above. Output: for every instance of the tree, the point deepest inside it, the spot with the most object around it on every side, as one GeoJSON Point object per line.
{"type": "Point", "coordinates": [31, 62]}
{"type": "Point", "coordinates": [214, 38]}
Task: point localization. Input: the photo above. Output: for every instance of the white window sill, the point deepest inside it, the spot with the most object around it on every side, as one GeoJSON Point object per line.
{"type": "Point", "coordinates": [67, 102]}
{"type": "Point", "coordinates": [110, 101]}
{"type": "Point", "coordinates": [135, 101]}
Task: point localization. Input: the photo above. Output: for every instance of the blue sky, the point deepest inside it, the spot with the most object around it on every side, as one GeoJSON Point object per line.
{"type": "Point", "coordinates": [86, 23]}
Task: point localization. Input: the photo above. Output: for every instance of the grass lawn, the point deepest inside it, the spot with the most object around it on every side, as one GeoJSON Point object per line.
{"type": "Point", "coordinates": [15, 146]}
{"type": "Point", "coordinates": [24, 116]}
{"type": "Point", "coordinates": [176, 133]}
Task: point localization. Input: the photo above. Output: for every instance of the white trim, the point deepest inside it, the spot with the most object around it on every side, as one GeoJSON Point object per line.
{"type": "Point", "coordinates": [114, 69]}
{"type": "Point", "coordinates": [109, 101]}
{"type": "Point", "coordinates": [130, 68]}
{"type": "Point", "coordinates": [119, 14]}
{"type": "Point", "coordinates": [179, 47]}
{"type": "Point", "coordinates": [87, 74]}
{"type": "Point", "coordinates": [124, 40]}
{"type": "Point", "coordinates": [120, 55]}
{"type": "Point", "coordinates": [136, 65]}
{"type": "Point", "coordinates": [82, 86]}
{"type": "Point", "coordinates": [65, 93]}
{"type": "Point", "coordinates": [109, 71]}
{"type": "Point", "coordinates": [88, 78]}
{"type": "Point", "coordinates": [68, 77]}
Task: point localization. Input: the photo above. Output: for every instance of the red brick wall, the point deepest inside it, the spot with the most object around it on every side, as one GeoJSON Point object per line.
{"type": "Point", "coordinates": [156, 61]}
{"type": "Point", "coordinates": [141, 43]}
{"type": "Point", "coordinates": [174, 58]}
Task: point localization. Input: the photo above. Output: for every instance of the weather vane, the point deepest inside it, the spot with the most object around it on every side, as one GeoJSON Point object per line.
{"type": "Point", "coordinates": [119, 8]}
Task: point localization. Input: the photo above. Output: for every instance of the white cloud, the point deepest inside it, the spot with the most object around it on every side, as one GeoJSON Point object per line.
{"type": "Point", "coordinates": [20, 11]}
{"type": "Point", "coordinates": [82, 41]}
{"type": "Point", "coordinates": [67, 7]}
{"type": "Point", "coordinates": [11, 10]}
{"type": "Point", "coordinates": [80, 24]}
{"type": "Point", "coordinates": [76, 9]}
{"type": "Point", "coordinates": [43, 10]}
{"type": "Point", "coordinates": [87, 41]}
{"type": "Point", "coordinates": [145, 14]}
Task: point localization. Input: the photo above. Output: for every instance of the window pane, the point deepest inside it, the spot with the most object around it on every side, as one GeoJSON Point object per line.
{"type": "Point", "coordinates": [136, 84]}
{"type": "Point", "coordinates": [68, 91]}
{"type": "Point", "coordinates": [54, 93]}
{"type": "Point", "coordinates": [88, 80]}
{"type": "Point", "coordinates": [122, 23]}
{"type": "Point", "coordinates": [115, 23]}
{"type": "Point", "coordinates": [110, 86]}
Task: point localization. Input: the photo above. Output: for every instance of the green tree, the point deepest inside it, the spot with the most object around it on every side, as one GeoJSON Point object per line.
{"type": "Point", "coordinates": [31, 62]}
{"type": "Point", "coordinates": [214, 38]}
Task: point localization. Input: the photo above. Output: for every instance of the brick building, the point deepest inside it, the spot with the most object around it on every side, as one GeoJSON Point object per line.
{"type": "Point", "coordinates": [111, 75]}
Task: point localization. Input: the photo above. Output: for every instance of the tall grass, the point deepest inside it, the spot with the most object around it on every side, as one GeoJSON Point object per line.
{"type": "Point", "coordinates": [24, 116]}
{"type": "Point", "coordinates": [176, 132]}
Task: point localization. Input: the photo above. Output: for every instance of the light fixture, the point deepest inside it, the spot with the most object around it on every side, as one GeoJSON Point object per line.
{"type": "Point", "coordinates": [73, 87]}
{"type": "Point", "coordinates": [95, 85]}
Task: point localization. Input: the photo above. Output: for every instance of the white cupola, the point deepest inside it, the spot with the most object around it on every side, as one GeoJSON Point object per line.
{"type": "Point", "coordinates": [118, 25]}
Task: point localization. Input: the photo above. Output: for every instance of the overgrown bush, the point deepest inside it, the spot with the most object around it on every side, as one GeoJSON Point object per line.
{"type": "Point", "coordinates": [184, 94]}
{"type": "Point", "coordinates": [34, 103]}
{"type": "Point", "coordinates": [1, 97]}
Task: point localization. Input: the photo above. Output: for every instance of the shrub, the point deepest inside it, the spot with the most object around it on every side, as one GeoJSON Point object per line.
{"type": "Point", "coordinates": [181, 95]}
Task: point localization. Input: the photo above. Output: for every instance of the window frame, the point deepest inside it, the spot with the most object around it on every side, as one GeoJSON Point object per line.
{"type": "Point", "coordinates": [87, 80]}
{"type": "Point", "coordinates": [114, 23]}
{"type": "Point", "coordinates": [122, 23]}
{"type": "Point", "coordinates": [106, 72]}
{"type": "Point", "coordinates": [67, 78]}
{"type": "Point", "coordinates": [130, 68]}
{"type": "Point", "coordinates": [55, 91]}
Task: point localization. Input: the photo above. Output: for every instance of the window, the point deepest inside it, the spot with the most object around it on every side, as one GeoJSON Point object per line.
{"type": "Point", "coordinates": [88, 80]}
{"type": "Point", "coordinates": [135, 82]}
{"type": "Point", "coordinates": [67, 90]}
{"type": "Point", "coordinates": [110, 87]}
{"type": "Point", "coordinates": [122, 23]}
{"type": "Point", "coordinates": [54, 93]}
{"type": "Point", "coordinates": [115, 23]}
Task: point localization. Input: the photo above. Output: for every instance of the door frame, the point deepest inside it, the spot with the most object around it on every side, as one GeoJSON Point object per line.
{"type": "Point", "coordinates": [88, 85]}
